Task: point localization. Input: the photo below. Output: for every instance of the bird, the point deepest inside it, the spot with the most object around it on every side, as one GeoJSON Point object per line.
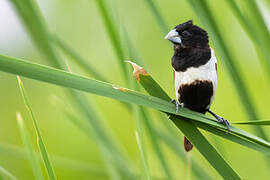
{"type": "Point", "coordinates": [195, 71]}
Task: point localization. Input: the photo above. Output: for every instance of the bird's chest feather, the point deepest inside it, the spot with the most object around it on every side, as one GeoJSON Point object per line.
{"type": "Point", "coordinates": [197, 85]}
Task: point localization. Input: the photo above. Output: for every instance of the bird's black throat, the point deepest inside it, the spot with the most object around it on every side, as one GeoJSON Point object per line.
{"type": "Point", "coordinates": [185, 58]}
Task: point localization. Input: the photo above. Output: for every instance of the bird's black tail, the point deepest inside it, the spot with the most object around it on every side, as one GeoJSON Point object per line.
{"type": "Point", "coordinates": [187, 145]}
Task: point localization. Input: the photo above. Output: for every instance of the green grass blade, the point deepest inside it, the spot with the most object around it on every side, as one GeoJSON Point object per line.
{"type": "Point", "coordinates": [6, 174]}
{"type": "Point", "coordinates": [62, 78]}
{"type": "Point", "coordinates": [41, 145]}
{"type": "Point", "coordinates": [29, 148]}
{"type": "Point", "coordinates": [113, 34]}
{"type": "Point", "coordinates": [203, 12]}
{"type": "Point", "coordinates": [257, 122]}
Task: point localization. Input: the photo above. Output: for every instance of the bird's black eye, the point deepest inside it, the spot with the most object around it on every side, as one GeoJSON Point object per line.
{"type": "Point", "coordinates": [186, 34]}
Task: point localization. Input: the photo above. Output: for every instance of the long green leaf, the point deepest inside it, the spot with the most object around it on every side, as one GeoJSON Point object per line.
{"type": "Point", "coordinates": [257, 122]}
{"type": "Point", "coordinates": [62, 78]}
{"type": "Point", "coordinates": [192, 138]}
{"type": "Point", "coordinates": [40, 142]}
{"type": "Point", "coordinates": [29, 148]}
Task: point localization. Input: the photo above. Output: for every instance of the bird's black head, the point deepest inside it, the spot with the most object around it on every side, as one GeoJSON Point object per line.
{"type": "Point", "coordinates": [188, 35]}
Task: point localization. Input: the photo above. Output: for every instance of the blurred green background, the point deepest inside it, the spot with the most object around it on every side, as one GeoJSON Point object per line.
{"type": "Point", "coordinates": [78, 23]}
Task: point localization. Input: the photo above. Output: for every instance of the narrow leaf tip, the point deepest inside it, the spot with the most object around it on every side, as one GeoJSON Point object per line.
{"type": "Point", "coordinates": [19, 117]}
{"type": "Point", "coordinates": [138, 70]}
{"type": "Point", "coordinates": [19, 79]}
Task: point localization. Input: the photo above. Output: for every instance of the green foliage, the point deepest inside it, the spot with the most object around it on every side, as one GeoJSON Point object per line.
{"type": "Point", "coordinates": [90, 122]}
{"type": "Point", "coordinates": [41, 145]}
{"type": "Point", "coordinates": [62, 78]}
{"type": "Point", "coordinates": [258, 122]}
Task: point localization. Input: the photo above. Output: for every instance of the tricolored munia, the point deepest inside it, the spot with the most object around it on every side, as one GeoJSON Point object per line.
{"type": "Point", "coordinates": [195, 71]}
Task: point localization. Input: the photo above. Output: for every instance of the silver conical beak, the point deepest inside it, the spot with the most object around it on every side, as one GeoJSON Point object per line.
{"type": "Point", "coordinates": [173, 36]}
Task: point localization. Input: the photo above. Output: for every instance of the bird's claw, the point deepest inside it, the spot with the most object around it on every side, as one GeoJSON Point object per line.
{"type": "Point", "coordinates": [224, 122]}
{"type": "Point", "coordinates": [177, 104]}
{"type": "Point", "coordinates": [221, 120]}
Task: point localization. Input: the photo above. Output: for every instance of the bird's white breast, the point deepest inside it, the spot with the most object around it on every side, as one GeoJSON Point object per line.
{"type": "Point", "coordinates": [204, 72]}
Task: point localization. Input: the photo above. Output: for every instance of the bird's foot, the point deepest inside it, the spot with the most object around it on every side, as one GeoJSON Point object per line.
{"type": "Point", "coordinates": [177, 104]}
{"type": "Point", "coordinates": [224, 122]}
{"type": "Point", "coordinates": [221, 120]}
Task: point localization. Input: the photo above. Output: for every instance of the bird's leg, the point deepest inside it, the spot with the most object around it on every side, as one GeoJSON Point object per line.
{"type": "Point", "coordinates": [220, 119]}
{"type": "Point", "coordinates": [177, 104]}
